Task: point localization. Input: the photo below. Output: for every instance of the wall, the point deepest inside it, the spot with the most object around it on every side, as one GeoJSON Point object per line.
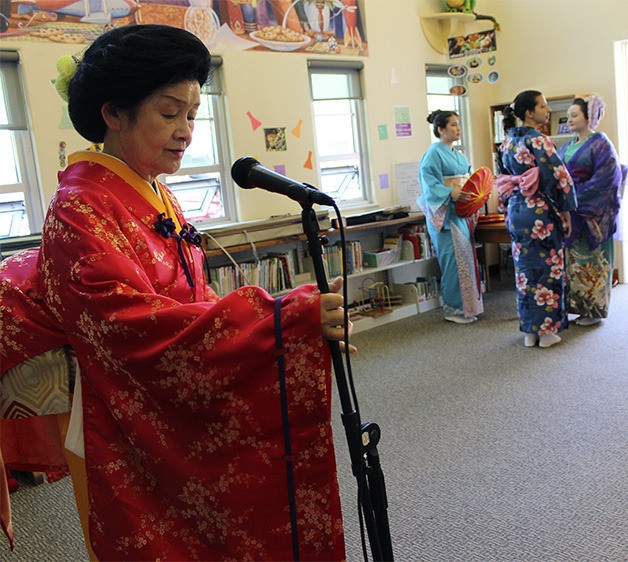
{"type": "Point", "coordinates": [557, 46]}
{"type": "Point", "coordinates": [274, 88]}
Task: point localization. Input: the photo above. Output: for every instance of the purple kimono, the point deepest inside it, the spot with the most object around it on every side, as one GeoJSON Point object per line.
{"type": "Point", "coordinates": [597, 176]}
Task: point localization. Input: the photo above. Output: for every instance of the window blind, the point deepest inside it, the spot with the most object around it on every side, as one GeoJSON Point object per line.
{"type": "Point", "coordinates": [335, 80]}
{"type": "Point", "coordinates": [12, 110]}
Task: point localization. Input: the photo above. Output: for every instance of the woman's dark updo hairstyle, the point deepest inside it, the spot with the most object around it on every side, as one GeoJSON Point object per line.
{"type": "Point", "coordinates": [523, 102]}
{"type": "Point", "coordinates": [584, 106]}
{"type": "Point", "coordinates": [126, 65]}
{"type": "Point", "coordinates": [440, 119]}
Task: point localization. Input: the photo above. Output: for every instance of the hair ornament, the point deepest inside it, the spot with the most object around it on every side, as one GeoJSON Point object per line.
{"type": "Point", "coordinates": [66, 67]}
{"type": "Point", "coordinates": [595, 109]}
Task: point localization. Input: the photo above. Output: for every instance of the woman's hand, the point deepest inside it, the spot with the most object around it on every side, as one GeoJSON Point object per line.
{"type": "Point", "coordinates": [567, 223]}
{"type": "Point", "coordinates": [458, 195]}
{"type": "Point", "coordinates": [332, 315]}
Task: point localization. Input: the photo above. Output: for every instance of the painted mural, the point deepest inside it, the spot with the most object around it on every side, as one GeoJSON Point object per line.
{"type": "Point", "coordinates": [325, 27]}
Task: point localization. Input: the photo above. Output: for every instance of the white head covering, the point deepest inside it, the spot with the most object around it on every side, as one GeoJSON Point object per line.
{"type": "Point", "coordinates": [595, 109]}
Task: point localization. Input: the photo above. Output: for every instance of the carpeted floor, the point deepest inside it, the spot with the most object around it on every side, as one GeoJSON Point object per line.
{"type": "Point", "coordinates": [491, 451]}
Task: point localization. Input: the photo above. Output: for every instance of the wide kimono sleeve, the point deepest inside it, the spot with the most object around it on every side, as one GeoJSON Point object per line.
{"type": "Point", "coordinates": [184, 434]}
{"type": "Point", "coordinates": [27, 327]}
{"type": "Point", "coordinates": [597, 175]}
{"type": "Point", "coordinates": [435, 197]}
{"type": "Point", "coordinates": [555, 183]}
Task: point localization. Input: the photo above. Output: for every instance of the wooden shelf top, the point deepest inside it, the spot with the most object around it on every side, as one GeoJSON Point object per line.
{"type": "Point", "coordinates": [414, 217]}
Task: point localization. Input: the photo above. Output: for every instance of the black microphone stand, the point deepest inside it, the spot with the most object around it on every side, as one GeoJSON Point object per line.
{"type": "Point", "coordinates": [362, 438]}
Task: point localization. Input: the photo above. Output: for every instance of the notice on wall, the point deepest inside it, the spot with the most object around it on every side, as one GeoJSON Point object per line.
{"type": "Point", "coordinates": [403, 122]}
{"type": "Point", "coordinates": [407, 184]}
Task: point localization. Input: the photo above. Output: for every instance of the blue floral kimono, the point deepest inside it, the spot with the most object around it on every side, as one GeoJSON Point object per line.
{"type": "Point", "coordinates": [534, 188]}
{"type": "Point", "coordinates": [450, 233]}
{"type": "Point", "coordinates": [597, 176]}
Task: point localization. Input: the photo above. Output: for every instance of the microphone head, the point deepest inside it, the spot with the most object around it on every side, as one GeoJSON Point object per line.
{"type": "Point", "coordinates": [241, 169]}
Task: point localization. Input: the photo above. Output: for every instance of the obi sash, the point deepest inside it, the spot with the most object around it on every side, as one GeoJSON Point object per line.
{"type": "Point", "coordinates": [527, 183]}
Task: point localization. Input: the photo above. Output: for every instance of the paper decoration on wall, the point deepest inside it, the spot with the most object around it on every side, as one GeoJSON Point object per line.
{"type": "Point", "coordinates": [308, 161]}
{"type": "Point", "coordinates": [297, 129]}
{"type": "Point", "coordinates": [382, 131]}
{"type": "Point", "coordinates": [280, 169]}
{"type": "Point", "coordinates": [383, 181]}
{"type": "Point", "coordinates": [65, 122]}
{"type": "Point", "coordinates": [492, 60]}
{"type": "Point", "coordinates": [403, 123]}
{"type": "Point", "coordinates": [475, 78]}
{"type": "Point", "coordinates": [255, 123]}
{"type": "Point", "coordinates": [457, 71]}
{"type": "Point", "coordinates": [474, 62]}
{"type": "Point", "coordinates": [275, 139]}
{"type": "Point", "coordinates": [493, 76]}
{"type": "Point", "coordinates": [458, 90]}
{"type": "Point", "coordinates": [393, 77]}
{"type": "Point", "coordinates": [472, 44]}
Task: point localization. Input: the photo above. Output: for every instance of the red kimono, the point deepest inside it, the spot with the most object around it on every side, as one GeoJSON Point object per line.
{"type": "Point", "coordinates": [187, 454]}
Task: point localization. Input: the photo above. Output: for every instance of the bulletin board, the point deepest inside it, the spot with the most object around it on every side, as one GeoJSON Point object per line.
{"type": "Point", "coordinates": [406, 177]}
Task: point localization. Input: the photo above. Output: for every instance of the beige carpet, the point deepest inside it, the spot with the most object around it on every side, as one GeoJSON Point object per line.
{"type": "Point", "coordinates": [491, 451]}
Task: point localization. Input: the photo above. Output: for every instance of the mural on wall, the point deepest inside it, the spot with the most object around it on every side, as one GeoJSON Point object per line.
{"type": "Point", "coordinates": [325, 27]}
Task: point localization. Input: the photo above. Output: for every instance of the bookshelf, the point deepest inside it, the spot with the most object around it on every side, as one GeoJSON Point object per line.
{"type": "Point", "coordinates": [370, 236]}
{"type": "Point", "coordinates": [559, 105]}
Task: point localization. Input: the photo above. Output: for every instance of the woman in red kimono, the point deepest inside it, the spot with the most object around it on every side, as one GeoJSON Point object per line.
{"type": "Point", "coordinates": [191, 450]}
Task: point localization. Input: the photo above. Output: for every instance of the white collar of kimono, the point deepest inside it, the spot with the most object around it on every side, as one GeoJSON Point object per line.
{"type": "Point", "coordinates": [160, 201]}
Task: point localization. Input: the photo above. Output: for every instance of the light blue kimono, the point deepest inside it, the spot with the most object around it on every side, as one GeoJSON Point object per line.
{"type": "Point", "coordinates": [449, 232]}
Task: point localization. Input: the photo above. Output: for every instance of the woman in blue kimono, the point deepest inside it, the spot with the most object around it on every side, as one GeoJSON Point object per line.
{"type": "Point", "coordinates": [536, 193]}
{"type": "Point", "coordinates": [442, 172]}
{"type": "Point", "coordinates": [593, 164]}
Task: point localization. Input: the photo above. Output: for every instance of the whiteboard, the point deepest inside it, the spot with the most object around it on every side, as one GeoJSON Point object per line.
{"type": "Point", "coordinates": [407, 184]}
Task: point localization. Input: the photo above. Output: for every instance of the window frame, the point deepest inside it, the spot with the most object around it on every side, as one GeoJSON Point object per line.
{"type": "Point", "coordinates": [19, 125]}
{"type": "Point", "coordinates": [353, 71]}
{"type": "Point", "coordinates": [460, 102]}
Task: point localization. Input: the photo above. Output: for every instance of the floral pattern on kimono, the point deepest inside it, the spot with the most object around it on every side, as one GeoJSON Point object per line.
{"type": "Point", "coordinates": [184, 438]}
{"type": "Point", "coordinates": [597, 175]}
{"type": "Point", "coordinates": [536, 228]}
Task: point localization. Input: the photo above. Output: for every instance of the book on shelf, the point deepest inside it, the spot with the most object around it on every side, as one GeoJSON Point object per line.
{"type": "Point", "coordinates": [274, 273]}
{"type": "Point", "coordinates": [332, 258]}
{"type": "Point", "coordinates": [498, 128]}
{"type": "Point", "coordinates": [428, 288]}
{"type": "Point", "coordinates": [563, 126]}
{"type": "Point", "coordinates": [393, 243]}
{"type": "Point", "coordinates": [417, 234]}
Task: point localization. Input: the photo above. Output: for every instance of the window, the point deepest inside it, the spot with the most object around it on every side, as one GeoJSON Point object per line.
{"type": "Point", "coordinates": [621, 85]}
{"type": "Point", "coordinates": [439, 84]}
{"type": "Point", "coordinates": [339, 127]}
{"type": "Point", "coordinates": [21, 205]}
{"type": "Point", "coordinates": [202, 184]}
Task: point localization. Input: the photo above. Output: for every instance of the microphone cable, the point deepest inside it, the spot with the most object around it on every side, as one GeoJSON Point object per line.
{"type": "Point", "coordinates": [345, 294]}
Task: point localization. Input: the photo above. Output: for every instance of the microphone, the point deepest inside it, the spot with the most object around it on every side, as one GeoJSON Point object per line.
{"type": "Point", "coordinates": [249, 173]}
